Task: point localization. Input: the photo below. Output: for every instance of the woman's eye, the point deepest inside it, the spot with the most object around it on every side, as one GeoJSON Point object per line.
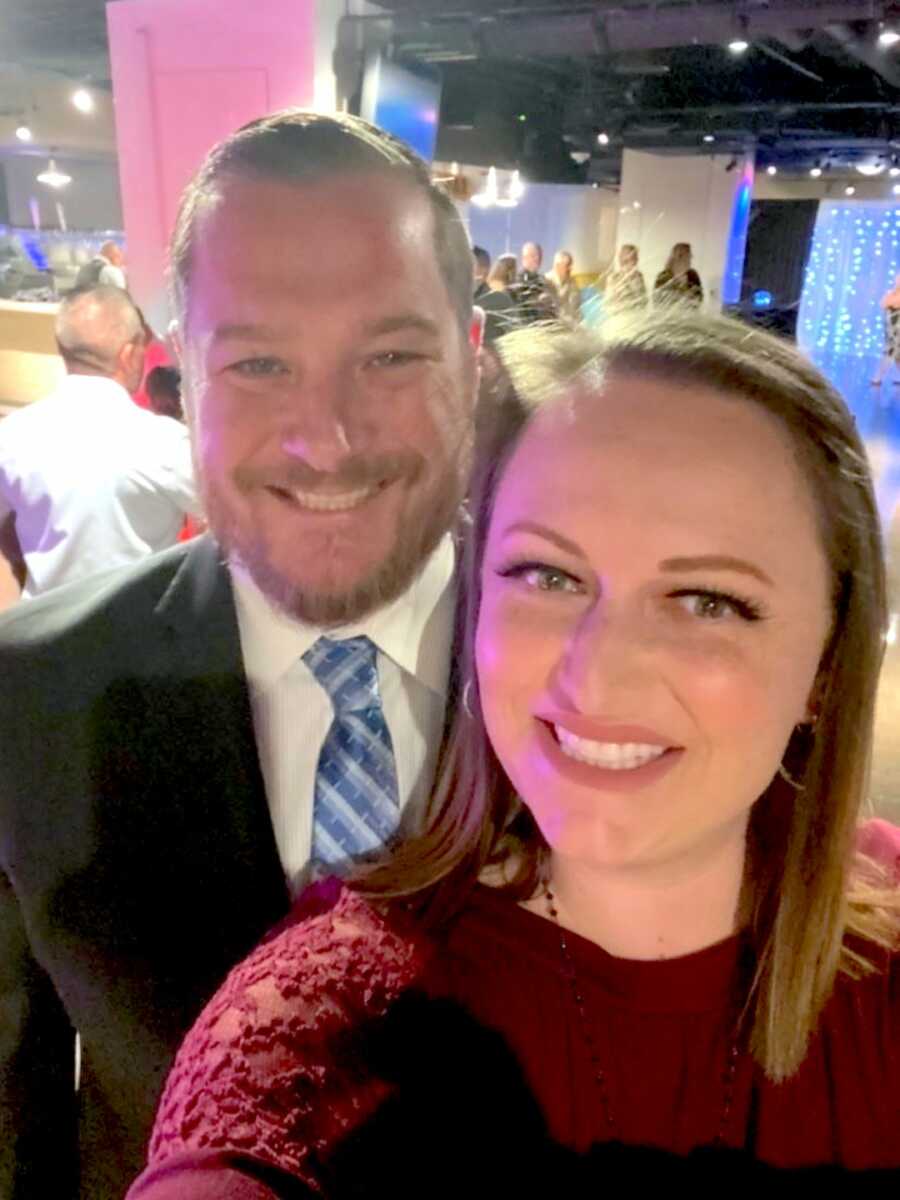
{"type": "Point", "coordinates": [542, 578]}
{"type": "Point", "coordinates": [717, 606]}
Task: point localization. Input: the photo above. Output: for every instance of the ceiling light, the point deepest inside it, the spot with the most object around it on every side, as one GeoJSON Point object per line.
{"type": "Point", "coordinates": [896, 189]}
{"type": "Point", "coordinates": [83, 100]}
{"type": "Point", "coordinates": [579, 156]}
{"type": "Point", "coordinates": [708, 137]}
{"type": "Point", "coordinates": [850, 191]}
{"type": "Point", "coordinates": [636, 204]}
{"type": "Point", "coordinates": [738, 46]}
{"type": "Point", "coordinates": [888, 37]}
{"type": "Point", "coordinates": [771, 169]}
{"type": "Point", "coordinates": [603, 139]}
{"type": "Point", "coordinates": [816, 172]}
{"type": "Point", "coordinates": [24, 134]}
{"type": "Point", "coordinates": [52, 177]}
{"type": "Point", "coordinates": [894, 172]}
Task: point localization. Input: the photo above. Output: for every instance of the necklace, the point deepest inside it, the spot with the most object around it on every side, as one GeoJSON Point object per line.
{"type": "Point", "coordinates": [601, 1078]}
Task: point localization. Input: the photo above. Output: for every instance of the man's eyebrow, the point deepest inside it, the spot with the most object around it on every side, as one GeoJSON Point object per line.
{"type": "Point", "coordinates": [248, 333]}
{"type": "Point", "coordinates": [401, 322]}
{"type": "Point", "coordinates": [716, 562]}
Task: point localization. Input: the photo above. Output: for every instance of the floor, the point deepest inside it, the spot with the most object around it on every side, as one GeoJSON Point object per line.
{"type": "Point", "coordinates": [877, 413]}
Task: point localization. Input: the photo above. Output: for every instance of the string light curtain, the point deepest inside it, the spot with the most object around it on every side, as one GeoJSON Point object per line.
{"type": "Point", "coordinates": [853, 261]}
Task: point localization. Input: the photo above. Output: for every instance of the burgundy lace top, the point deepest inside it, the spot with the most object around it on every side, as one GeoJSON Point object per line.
{"type": "Point", "coordinates": [350, 1048]}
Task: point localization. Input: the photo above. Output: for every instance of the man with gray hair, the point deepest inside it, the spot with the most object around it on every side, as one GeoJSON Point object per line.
{"type": "Point", "coordinates": [89, 481]}
{"type": "Point", "coordinates": [270, 694]}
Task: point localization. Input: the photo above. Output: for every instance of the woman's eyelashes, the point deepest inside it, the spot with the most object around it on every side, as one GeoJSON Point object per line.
{"type": "Point", "coordinates": [541, 577]}
{"type": "Point", "coordinates": [705, 604]}
{"type": "Point", "coordinates": [713, 604]}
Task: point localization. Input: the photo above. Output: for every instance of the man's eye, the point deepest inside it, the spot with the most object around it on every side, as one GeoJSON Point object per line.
{"type": "Point", "coordinates": [717, 606]}
{"type": "Point", "coordinates": [396, 358]}
{"type": "Point", "coordinates": [258, 368]}
{"type": "Point", "coordinates": [542, 578]}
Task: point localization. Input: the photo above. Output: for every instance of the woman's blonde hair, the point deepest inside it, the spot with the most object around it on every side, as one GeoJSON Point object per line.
{"type": "Point", "coordinates": [811, 905]}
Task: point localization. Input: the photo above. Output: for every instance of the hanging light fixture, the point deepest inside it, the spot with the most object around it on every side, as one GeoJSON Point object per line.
{"type": "Point", "coordinates": [53, 177]}
{"type": "Point", "coordinates": [488, 197]}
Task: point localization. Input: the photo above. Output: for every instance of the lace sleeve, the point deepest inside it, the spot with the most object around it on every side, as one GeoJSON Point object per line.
{"type": "Point", "coordinates": [271, 1067]}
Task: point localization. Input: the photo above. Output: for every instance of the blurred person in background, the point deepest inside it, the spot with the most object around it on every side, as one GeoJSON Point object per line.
{"type": "Point", "coordinates": [492, 295]}
{"type": "Point", "coordinates": [106, 268]}
{"type": "Point", "coordinates": [567, 291]}
{"type": "Point", "coordinates": [678, 282]}
{"type": "Point", "coordinates": [534, 296]}
{"type": "Point", "coordinates": [89, 481]}
{"type": "Point", "coordinates": [625, 286]}
{"type": "Point", "coordinates": [481, 268]}
{"type": "Point", "coordinates": [890, 307]}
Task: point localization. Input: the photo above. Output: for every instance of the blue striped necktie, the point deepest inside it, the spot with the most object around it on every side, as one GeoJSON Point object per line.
{"type": "Point", "coordinates": [356, 808]}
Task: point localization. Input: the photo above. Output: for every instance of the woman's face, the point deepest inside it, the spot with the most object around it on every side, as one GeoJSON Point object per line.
{"type": "Point", "coordinates": [655, 603]}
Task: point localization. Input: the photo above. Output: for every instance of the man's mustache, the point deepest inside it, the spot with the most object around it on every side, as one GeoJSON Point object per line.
{"type": "Point", "coordinates": [353, 474]}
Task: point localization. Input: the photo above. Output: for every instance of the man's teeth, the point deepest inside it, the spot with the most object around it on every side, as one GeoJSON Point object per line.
{"type": "Point", "coordinates": [613, 756]}
{"type": "Point", "coordinates": [325, 502]}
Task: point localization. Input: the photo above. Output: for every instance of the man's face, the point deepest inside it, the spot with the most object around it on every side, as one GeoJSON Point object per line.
{"type": "Point", "coordinates": [329, 388]}
{"type": "Point", "coordinates": [562, 265]}
{"type": "Point", "coordinates": [531, 257]}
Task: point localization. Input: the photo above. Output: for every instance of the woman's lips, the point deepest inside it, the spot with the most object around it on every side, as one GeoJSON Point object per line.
{"type": "Point", "coordinates": [623, 758]}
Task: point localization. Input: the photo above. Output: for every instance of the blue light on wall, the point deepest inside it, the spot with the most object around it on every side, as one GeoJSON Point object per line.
{"type": "Point", "coordinates": [737, 237]}
{"type": "Point", "coordinates": [853, 261]}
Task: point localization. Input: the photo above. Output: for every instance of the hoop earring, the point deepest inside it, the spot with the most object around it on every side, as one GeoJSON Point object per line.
{"type": "Point", "coordinates": [789, 779]}
{"type": "Point", "coordinates": [466, 694]}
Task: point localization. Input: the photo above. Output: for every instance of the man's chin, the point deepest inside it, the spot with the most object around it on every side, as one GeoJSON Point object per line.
{"type": "Point", "coordinates": [331, 602]}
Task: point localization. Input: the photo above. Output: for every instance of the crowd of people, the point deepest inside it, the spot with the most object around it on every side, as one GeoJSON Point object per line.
{"type": "Point", "coordinates": [477, 808]}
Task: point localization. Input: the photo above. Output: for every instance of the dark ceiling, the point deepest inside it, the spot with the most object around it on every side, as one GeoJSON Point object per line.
{"type": "Point", "coordinates": [532, 84]}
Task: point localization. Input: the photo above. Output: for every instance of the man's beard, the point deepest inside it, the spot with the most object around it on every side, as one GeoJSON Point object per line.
{"type": "Point", "coordinates": [418, 536]}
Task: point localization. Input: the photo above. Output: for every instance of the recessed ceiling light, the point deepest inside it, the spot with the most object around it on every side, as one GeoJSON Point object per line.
{"type": "Point", "coordinates": [603, 139]}
{"type": "Point", "coordinates": [708, 137]}
{"type": "Point", "coordinates": [873, 167]}
{"type": "Point", "coordinates": [888, 37]}
{"type": "Point", "coordinates": [850, 191]}
{"type": "Point", "coordinates": [816, 172]}
{"type": "Point", "coordinates": [738, 46]}
{"type": "Point", "coordinates": [894, 172]}
{"type": "Point", "coordinates": [896, 189]}
{"type": "Point", "coordinates": [771, 169]}
{"type": "Point", "coordinates": [24, 134]}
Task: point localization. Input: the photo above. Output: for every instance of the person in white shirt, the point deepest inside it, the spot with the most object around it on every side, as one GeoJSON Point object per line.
{"type": "Point", "coordinates": [271, 692]}
{"type": "Point", "coordinates": [89, 481]}
{"type": "Point", "coordinates": [106, 268]}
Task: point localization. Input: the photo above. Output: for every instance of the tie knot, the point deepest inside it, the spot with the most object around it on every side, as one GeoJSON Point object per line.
{"type": "Point", "coordinates": [347, 671]}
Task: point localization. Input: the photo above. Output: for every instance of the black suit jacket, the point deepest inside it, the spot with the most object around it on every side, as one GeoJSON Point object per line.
{"type": "Point", "coordinates": [137, 856]}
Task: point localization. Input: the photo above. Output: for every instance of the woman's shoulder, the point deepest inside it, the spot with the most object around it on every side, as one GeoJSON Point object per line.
{"type": "Point", "coordinates": [264, 1065]}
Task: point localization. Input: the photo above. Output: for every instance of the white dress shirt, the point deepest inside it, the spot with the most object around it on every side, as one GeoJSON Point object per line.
{"type": "Point", "coordinates": [94, 481]}
{"type": "Point", "coordinates": [292, 712]}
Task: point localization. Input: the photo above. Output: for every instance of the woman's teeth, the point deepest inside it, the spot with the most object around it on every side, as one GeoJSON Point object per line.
{"type": "Point", "coordinates": [613, 756]}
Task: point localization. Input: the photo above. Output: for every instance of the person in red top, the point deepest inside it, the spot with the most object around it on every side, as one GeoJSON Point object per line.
{"type": "Point", "coordinates": [643, 932]}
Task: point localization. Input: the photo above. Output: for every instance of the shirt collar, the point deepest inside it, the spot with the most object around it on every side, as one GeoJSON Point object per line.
{"type": "Point", "coordinates": [76, 384]}
{"type": "Point", "coordinates": [414, 631]}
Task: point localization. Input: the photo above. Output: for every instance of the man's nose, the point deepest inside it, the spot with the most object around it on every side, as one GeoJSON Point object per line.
{"type": "Point", "coordinates": [314, 425]}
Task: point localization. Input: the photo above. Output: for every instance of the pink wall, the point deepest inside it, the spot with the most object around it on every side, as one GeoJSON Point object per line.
{"type": "Point", "coordinates": [185, 73]}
